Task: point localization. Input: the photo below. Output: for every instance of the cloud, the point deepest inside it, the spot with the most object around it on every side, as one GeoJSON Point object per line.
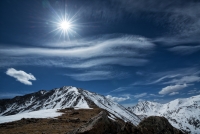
{"type": "Point", "coordinates": [172, 88]}
{"type": "Point", "coordinates": [178, 76]}
{"type": "Point", "coordinates": [135, 96]}
{"type": "Point", "coordinates": [174, 93]}
{"type": "Point", "coordinates": [184, 79]}
{"type": "Point", "coordinates": [117, 99]}
{"type": "Point", "coordinates": [94, 54]}
{"type": "Point", "coordinates": [120, 89]}
{"type": "Point", "coordinates": [182, 16]}
{"type": "Point", "coordinates": [195, 91]}
{"type": "Point", "coordinates": [185, 50]}
{"type": "Point", "coordinates": [163, 78]}
{"type": "Point", "coordinates": [21, 76]}
{"type": "Point", "coordinates": [123, 45]}
{"type": "Point", "coordinates": [92, 75]}
{"type": "Point", "coordinates": [156, 95]}
{"type": "Point", "coordinates": [110, 61]}
{"type": "Point", "coordinates": [139, 95]}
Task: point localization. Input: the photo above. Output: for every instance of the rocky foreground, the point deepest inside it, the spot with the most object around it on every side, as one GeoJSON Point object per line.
{"type": "Point", "coordinates": [87, 121]}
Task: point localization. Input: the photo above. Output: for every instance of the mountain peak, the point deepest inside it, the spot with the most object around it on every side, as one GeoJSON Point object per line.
{"type": "Point", "coordinates": [64, 97]}
{"type": "Point", "coordinates": [182, 113]}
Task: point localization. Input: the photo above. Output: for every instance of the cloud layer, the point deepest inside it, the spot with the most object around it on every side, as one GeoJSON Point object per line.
{"type": "Point", "coordinates": [21, 76]}
{"type": "Point", "coordinates": [96, 55]}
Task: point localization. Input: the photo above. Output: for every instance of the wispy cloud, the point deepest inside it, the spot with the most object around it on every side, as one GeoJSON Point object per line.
{"type": "Point", "coordinates": [92, 75]}
{"type": "Point", "coordinates": [120, 89]}
{"type": "Point", "coordinates": [178, 80]}
{"type": "Point", "coordinates": [173, 88]}
{"type": "Point", "coordinates": [117, 99]}
{"type": "Point", "coordinates": [120, 45]}
{"type": "Point", "coordinates": [175, 80]}
{"type": "Point", "coordinates": [127, 97]}
{"type": "Point", "coordinates": [163, 78]}
{"type": "Point", "coordinates": [139, 95]}
{"type": "Point", "coordinates": [184, 79]}
{"type": "Point", "coordinates": [194, 91]}
{"type": "Point", "coordinates": [110, 61]}
{"type": "Point", "coordinates": [89, 53]}
{"type": "Point", "coordinates": [21, 76]}
{"type": "Point", "coordinates": [155, 95]}
{"type": "Point", "coordinates": [185, 50]}
{"type": "Point", "coordinates": [135, 96]}
{"type": "Point", "coordinates": [174, 93]}
{"type": "Point", "coordinates": [176, 76]}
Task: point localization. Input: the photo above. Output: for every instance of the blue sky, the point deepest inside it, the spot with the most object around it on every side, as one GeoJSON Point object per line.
{"type": "Point", "coordinates": [126, 50]}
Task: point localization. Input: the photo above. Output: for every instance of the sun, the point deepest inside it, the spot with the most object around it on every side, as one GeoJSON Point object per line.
{"type": "Point", "coordinates": [65, 25]}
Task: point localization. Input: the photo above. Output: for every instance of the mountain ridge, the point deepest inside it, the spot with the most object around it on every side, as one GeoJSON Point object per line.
{"type": "Point", "coordinates": [64, 97]}
{"type": "Point", "coordinates": [181, 113]}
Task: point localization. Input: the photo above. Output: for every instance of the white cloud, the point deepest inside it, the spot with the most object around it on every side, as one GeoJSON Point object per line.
{"type": "Point", "coordinates": [156, 95]}
{"type": "Point", "coordinates": [184, 79]}
{"type": "Point", "coordinates": [163, 78]}
{"type": "Point", "coordinates": [179, 76]}
{"type": "Point", "coordinates": [85, 54]}
{"type": "Point", "coordinates": [195, 91]}
{"type": "Point", "coordinates": [174, 93]}
{"type": "Point", "coordinates": [139, 95]}
{"type": "Point", "coordinates": [173, 88]}
{"type": "Point", "coordinates": [21, 76]}
{"type": "Point", "coordinates": [110, 61]}
{"type": "Point", "coordinates": [107, 47]}
{"type": "Point", "coordinates": [117, 99]}
{"type": "Point", "coordinates": [92, 75]}
{"type": "Point", "coordinates": [184, 50]}
{"type": "Point", "coordinates": [121, 89]}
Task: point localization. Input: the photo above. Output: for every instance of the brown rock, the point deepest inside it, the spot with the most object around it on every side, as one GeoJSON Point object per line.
{"type": "Point", "coordinates": [157, 125]}
{"type": "Point", "coordinates": [99, 124]}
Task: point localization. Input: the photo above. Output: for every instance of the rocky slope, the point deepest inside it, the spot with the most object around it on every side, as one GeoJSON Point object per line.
{"type": "Point", "coordinates": [87, 121]}
{"type": "Point", "coordinates": [64, 97]}
{"type": "Point", "coordinates": [101, 124]}
{"type": "Point", "coordinates": [181, 113]}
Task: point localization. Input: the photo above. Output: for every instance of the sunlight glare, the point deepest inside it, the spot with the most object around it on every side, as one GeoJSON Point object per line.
{"type": "Point", "coordinates": [65, 25]}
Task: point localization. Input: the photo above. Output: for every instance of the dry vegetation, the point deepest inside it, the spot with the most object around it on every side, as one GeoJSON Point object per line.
{"type": "Point", "coordinates": [70, 120]}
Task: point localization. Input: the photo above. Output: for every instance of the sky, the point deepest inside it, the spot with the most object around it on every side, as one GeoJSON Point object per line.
{"type": "Point", "coordinates": [127, 50]}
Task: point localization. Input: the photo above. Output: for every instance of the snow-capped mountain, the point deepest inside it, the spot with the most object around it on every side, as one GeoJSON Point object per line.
{"type": "Point", "coordinates": [183, 114]}
{"type": "Point", "coordinates": [63, 98]}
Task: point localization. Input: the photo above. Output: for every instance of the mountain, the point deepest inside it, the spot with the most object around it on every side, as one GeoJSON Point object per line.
{"type": "Point", "coordinates": [61, 98]}
{"type": "Point", "coordinates": [183, 114]}
{"type": "Point", "coordinates": [87, 121]}
{"type": "Point", "coordinates": [101, 124]}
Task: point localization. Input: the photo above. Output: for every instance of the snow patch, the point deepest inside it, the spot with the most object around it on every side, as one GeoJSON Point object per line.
{"type": "Point", "coordinates": [47, 113]}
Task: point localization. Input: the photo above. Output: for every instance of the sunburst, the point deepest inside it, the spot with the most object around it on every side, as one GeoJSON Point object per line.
{"type": "Point", "coordinates": [65, 26]}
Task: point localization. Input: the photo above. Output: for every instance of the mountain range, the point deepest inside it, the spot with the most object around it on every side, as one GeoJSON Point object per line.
{"type": "Point", "coordinates": [183, 114]}
{"type": "Point", "coordinates": [64, 97]}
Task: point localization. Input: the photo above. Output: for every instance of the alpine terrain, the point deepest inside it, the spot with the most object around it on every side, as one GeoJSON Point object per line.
{"type": "Point", "coordinates": [61, 98]}
{"type": "Point", "coordinates": [183, 114]}
{"type": "Point", "coordinates": [73, 110]}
